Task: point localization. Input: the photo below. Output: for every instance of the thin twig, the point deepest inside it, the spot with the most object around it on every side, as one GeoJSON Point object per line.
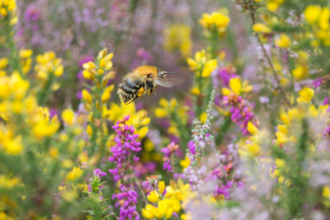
{"type": "Point", "coordinates": [270, 63]}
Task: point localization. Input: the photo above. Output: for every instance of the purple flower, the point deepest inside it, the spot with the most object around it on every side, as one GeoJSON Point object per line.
{"type": "Point", "coordinates": [168, 151]}
{"type": "Point", "coordinates": [317, 82]}
{"type": "Point", "coordinates": [192, 147]}
{"type": "Point", "coordinates": [52, 112]}
{"type": "Point", "coordinates": [225, 75]}
{"type": "Point", "coordinates": [126, 145]}
{"type": "Point", "coordinates": [241, 111]}
{"type": "Point", "coordinates": [127, 200]}
{"type": "Point", "coordinates": [79, 95]}
{"type": "Point", "coordinates": [98, 172]}
{"type": "Point", "coordinates": [31, 14]}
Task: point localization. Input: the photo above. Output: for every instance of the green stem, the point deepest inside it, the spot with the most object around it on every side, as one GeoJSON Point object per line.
{"type": "Point", "coordinates": [14, 59]}
{"type": "Point", "coordinates": [42, 97]}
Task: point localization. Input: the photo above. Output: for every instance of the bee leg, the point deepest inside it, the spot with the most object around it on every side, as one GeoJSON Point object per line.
{"type": "Point", "coordinates": [127, 103]}
{"type": "Point", "coordinates": [150, 92]}
{"type": "Point", "coordinates": [155, 89]}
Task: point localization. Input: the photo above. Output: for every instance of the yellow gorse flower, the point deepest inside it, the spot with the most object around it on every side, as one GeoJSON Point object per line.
{"type": "Point", "coordinates": [201, 65]}
{"type": "Point", "coordinates": [8, 182]}
{"type": "Point", "coordinates": [26, 60]}
{"type": "Point", "coordinates": [186, 162]}
{"type": "Point", "coordinates": [283, 41]}
{"type": "Point", "coordinates": [48, 67]}
{"type": "Point", "coordinates": [215, 20]}
{"type": "Point", "coordinates": [273, 5]}
{"type": "Point", "coordinates": [14, 101]}
{"type": "Point", "coordinates": [166, 206]}
{"type": "Point", "coordinates": [74, 174]}
{"type": "Point", "coordinates": [261, 28]}
{"type": "Point", "coordinates": [153, 196]}
{"type": "Point", "coordinates": [319, 17]}
{"type": "Point", "coordinates": [305, 95]}
{"type": "Point", "coordinates": [167, 107]}
{"type": "Point", "coordinates": [8, 9]}
{"type": "Point", "coordinates": [237, 87]}
{"type": "Point", "coordinates": [177, 38]}
{"type": "Point", "coordinates": [138, 119]}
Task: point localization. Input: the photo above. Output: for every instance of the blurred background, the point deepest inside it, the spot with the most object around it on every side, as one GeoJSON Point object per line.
{"type": "Point", "coordinates": [138, 32]}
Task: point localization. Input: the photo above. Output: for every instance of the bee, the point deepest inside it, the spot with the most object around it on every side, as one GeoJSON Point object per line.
{"type": "Point", "coordinates": [145, 80]}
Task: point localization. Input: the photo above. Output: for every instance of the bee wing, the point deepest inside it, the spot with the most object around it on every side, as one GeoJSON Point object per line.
{"type": "Point", "coordinates": [170, 79]}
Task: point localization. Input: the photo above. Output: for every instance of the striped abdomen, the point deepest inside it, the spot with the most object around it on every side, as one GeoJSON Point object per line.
{"type": "Point", "coordinates": [129, 88]}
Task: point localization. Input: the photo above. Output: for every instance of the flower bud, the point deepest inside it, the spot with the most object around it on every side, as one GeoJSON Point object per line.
{"type": "Point", "coordinates": [105, 96]}
{"type": "Point", "coordinates": [87, 96]}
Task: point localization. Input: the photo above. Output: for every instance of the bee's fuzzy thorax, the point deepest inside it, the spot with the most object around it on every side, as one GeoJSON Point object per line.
{"type": "Point", "coordinates": [145, 70]}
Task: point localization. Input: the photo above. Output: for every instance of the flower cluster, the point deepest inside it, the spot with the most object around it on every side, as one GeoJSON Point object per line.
{"type": "Point", "coordinates": [240, 109]}
{"type": "Point", "coordinates": [123, 155]}
{"type": "Point", "coordinates": [168, 151]}
{"type": "Point", "coordinates": [168, 200]}
{"type": "Point", "coordinates": [201, 64]}
{"type": "Point", "coordinates": [125, 144]}
{"type": "Point", "coordinates": [215, 20]}
{"type": "Point", "coordinates": [177, 38]}
{"type": "Point", "coordinates": [319, 17]}
{"type": "Point", "coordinates": [8, 11]}
{"type": "Point", "coordinates": [48, 69]}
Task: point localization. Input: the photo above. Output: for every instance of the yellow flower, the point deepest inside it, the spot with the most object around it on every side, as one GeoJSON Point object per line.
{"type": "Point", "coordinates": [188, 215]}
{"type": "Point", "coordinates": [186, 162]}
{"type": "Point", "coordinates": [89, 130]}
{"type": "Point", "coordinates": [13, 146]}
{"type": "Point", "coordinates": [252, 128]}
{"type": "Point", "coordinates": [203, 117]}
{"type": "Point", "coordinates": [273, 5]}
{"type": "Point", "coordinates": [326, 192]}
{"type": "Point", "coordinates": [138, 119]}
{"type": "Point", "coordinates": [89, 65]}
{"type": "Point", "coordinates": [216, 19]}
{"type": "Point", "coordinates": [153, 196]}
{"type": "Point", "coordinates": [195, 91]}
{"type": "Point", "coordinates": [68, 116]}
{"type": "Point", "coordinates": [161, 187]}
{"type": "Point", "coordinates": [177, 38]}
{"type": "Point", "coordinates": [236, 87]}
{"type": "Point", "coordinates": [167, 107]}
{"type": "Point", "coordinates": [283, 42]}
{"type": "Point", "coordinates": [25, 53]}
{"type": "Point", "coordinates": [324, 19]}
{"type": "Point", "coordinates": [3, 63]}
{"type": "Point", "coordinates": [312, 13]}
{"type": "Point", "coordinates": [300, 72]}
{"type": "Point", "coordinates": [47, 64]}
{"type": "Point", "coordinates": [149, 211]}
{"type": "Point", "coordinates": [209, 66]}
{"type": "Point", "coordinates": [87, 96]}
{"type": "Point", "coordinates": [7, 182]}
{"type": "Point", "coordinates": [204, 66]}
{"type": "Point", "coordinates": [280, 163]}
{"type": "Point", "coordinates": [160, 112]}
{"type": "Point", "coordinates": [305, 95]}
{"type": "Point", "coordinates": [261, 28]}
{"type": "Point", "coordinates": [74, 174]}
{"type": "Point", "coordinates": [105, 96]}
{"type": "Point", "coordinates": [87, 74]}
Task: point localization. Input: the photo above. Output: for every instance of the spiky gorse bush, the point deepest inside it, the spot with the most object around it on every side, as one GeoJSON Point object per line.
{"type": "Point", "coordinates": [232, 149]}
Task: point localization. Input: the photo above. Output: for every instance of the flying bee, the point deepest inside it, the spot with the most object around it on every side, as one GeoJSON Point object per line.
{"type": "Point", "coordinates": [145, 80]}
